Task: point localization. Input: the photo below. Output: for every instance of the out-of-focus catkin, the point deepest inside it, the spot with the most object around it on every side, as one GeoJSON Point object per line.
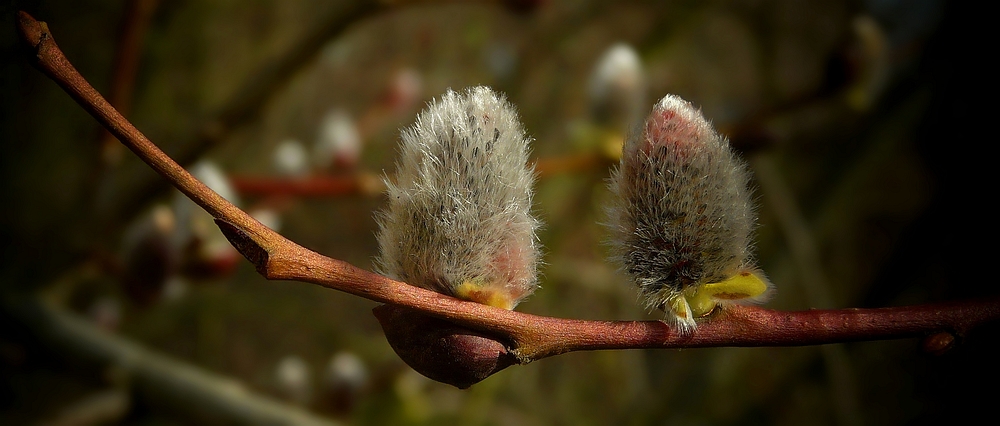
{"type": "Point", "coordinates": [459, 217]}
{"type": "Point", "coordinates": [681, 220]}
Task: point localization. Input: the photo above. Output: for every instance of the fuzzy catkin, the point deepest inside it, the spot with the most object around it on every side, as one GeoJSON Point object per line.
{"type": "Point", "coordinates": [681, 215]}
{"type": "Point", "coordinates": [459, 219]}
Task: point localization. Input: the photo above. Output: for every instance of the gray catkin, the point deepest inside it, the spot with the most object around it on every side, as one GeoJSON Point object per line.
{"type": "Point", "coordinates": [459, 217]}
{"type": "Point", "coordinates": [681, 214]}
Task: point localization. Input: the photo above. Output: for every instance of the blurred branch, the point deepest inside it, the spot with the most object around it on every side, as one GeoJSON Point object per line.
{"type": "Point", "coordinates": [805, 253]}
{"type": "Point", "coordinates": [575, 163]}
{"type": "Point", "coordinates": [364, 184]}
{"type": "Point", "coordinates": [104, 407]}
{"type": "Point", "coordinates": [367, 184]}
{"type": "Point", "coordinates": [247, 101]}
{"type": "Point", "coordinates": [135, 23]}
{"type": "Point", "coordinates": [176, 386]}
{"type": "Point", "coordinates": [476, 340]}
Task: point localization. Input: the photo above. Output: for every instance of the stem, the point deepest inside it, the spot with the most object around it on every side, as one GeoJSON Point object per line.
{"type": "Point", "coordinates": [558, 165]}
{"type": "Point", "coordinates": [131, 39]}
{"type": "Point", "coordinates": [363, 183]}
{"type": "Point", "coordinates": [530, 337]}
{"type": "Point", "coordinates": [309, 186]}
{"type": "Point", "coordinates": [248, 100]}
{"type": "Point", "coordinates": [750, 326]}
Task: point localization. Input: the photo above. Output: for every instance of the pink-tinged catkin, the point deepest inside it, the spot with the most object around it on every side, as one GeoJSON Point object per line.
{"type": "Point", "coordinates": [459, 217]}
{"type": "Point", "coordinates": [682, 216]}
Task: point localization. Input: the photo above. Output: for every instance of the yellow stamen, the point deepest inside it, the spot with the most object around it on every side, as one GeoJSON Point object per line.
{"type": "Point", "coordinates": [705, 297]}
{"type": "Point", "coordinates": [477, 291]}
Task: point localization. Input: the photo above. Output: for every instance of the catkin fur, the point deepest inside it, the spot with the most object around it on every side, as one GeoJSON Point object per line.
{"type": "Point", "coordinates": [459, 210]}
{"type": "Point", "coordinates": [681, 213]}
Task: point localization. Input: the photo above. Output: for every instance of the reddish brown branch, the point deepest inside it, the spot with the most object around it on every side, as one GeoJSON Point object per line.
{"type": "Point", "coordinates": [367, 184]}
{"type": "Point", "coordinates": [749, 326]}
{"type": "Point", "coordinates": [470, 355]}
{"type": "Point", "coordinates": [307, 186]}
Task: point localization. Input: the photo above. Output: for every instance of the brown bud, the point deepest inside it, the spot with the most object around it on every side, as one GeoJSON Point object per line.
{"type": "Point", "coordinates": [938, 343]}
{"type": "Point", "coordinates": [441, 350]}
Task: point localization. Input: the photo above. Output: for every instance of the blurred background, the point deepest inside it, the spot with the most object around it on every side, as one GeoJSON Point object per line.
{"type": "Point", "coordinates": [863, 121]}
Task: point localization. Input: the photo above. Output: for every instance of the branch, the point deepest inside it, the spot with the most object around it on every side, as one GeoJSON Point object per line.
{"type": "Point", "coordinates": [131, 39]}
{"type": "Point", "coordinates": [174, 385]}
{"type": "Point", "coordinates": [309, 186]}
{"type": "Point", "coordinates": [462, 342]}
{"type": "Point", "coordinates": [802, 245]}
{"type": "Point", "coordinates": [251, 95]}
{"type": "Point", "coordinates": [103, 407]}
{"type": "Point", "coordinates": [364, 183]}
{"type": "Point", "coordinates": [575, 163]}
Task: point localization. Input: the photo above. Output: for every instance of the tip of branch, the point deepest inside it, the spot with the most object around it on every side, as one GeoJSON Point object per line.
{"type": "Point", "coordinates": [441, 350]}
{"type": "Point", "coordinates": [31, 31]}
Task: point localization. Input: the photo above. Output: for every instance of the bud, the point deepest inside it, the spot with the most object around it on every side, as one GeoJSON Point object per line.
{"type": "Point", "coordinates": [343, 381]}
{"type": "Point", "coordinates": [292, 379]}
{"type": "Point", "coordinates": [459, 220]}
{"type": "Point", "coordinates": [290, 158]}
{"type": "Point", "coordinates": [267, 217]}
{"type": "Point", "coordinates": [682, 219]}
{"type": "Point", "coordinates": [618, 87]}
{"type": "Point", "coordinates": [441, 350]}
{"type": "Point", "coordinates": [404, 90]}
{"type": "Point", "coordinates": [149, 258]}
{"type": "Point", "coordinates": [338, 142]}
{"type": "Point", "coordinates": [207, 252]}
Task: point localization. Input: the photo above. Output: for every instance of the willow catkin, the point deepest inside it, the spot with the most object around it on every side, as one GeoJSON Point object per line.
{"type": "Point", "coordinates": [459, 219]}
{"type": "Point", "coordinates": [681, 219]}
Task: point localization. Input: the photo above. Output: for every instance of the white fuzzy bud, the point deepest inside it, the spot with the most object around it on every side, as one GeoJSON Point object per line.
{"type": "Point", "coordinates": [618, 86]}
{"type": "Point", "coordinates": [290, 158]}
{"type": "Point", "coordinates": [267, 217]}
{"type": "Point", "coordinates": [209, 251]}
{"type": "Point", "coordinates": [292, 377]}
{"type": "Point", "coordinates": [338, 142]}
{"type": "Point", "coordinates": [404, 90]}
{"type": "Point", "coordinates": [346, 370]}
{"type": "Point", "coordinates": [682, 218]}
{"type": "Point", "coordinates": [345, 378]}
{"type": "Point", "coordinates": [209, 173]}
{"type": "Point", "coordinates": [193, 222]}
{"type": "Point", "coordinates": [459, 217]}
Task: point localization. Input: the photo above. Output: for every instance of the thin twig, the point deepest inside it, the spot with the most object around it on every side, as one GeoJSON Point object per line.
{"type": "Point", "coordinates": [308, 186]}
{"type": "Point", "coordinates": [524, 337]}
{"type": "Point", "coordinates": [130, 42]}
{"type": "Point", "coordinates": [803, 247]}
{"type": "Point", "coordinates": [250, 97]}
{"type": "Point", "coordinates": [363, 183]}
{"type": "Point", "coordinates": [546, 167]}
{"type": "Point", "coordinates": [104, 407]}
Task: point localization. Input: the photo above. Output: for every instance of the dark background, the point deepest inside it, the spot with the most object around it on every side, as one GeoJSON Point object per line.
{"type": "Point", "coordinates": [886, 201]}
